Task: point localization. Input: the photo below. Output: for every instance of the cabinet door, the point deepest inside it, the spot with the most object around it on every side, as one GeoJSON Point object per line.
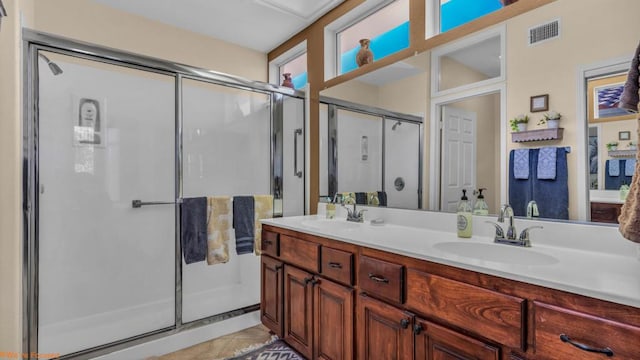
{"type": "Point", "coordinates": [384, 331]}
{"type": "Point", "coordinates": [298, 310]}
{"type": "Point", "coordinates": [271, 294]}
{"type": "Point", "coordinates": [435, 342]}
{"type": "Point", "coordinates": [333, 305]}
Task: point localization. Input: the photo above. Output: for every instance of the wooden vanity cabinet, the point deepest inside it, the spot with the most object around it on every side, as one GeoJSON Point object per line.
{"type": "Point", "coordinates": [605, 212]}
{"type": "Point", "coordinates": [434, 342]}
{"type": "Point", "coordinates": [384, 331]}
{"type": "Point", "coordinates": [408, 308]}
{"type": "Point", "coordinates": [271, 301]}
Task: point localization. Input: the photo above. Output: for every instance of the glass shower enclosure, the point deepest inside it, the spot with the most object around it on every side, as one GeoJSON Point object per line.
{"type": "Point", "coordinates": [113, 143]}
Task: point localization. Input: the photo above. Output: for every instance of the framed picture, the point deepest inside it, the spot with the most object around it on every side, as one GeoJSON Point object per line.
{"type": "Point", "coordinates": [603, 97]}
{"type": "Point", "coordinates": [539, 103]}
{"type": "Point", "coordinates": [89, 121]}
{"type": "Point", "coordinates": [624, 135]}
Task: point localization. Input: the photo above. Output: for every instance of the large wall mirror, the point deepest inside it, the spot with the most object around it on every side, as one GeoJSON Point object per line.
{"type": "Point", "coordinates": [467, 91]}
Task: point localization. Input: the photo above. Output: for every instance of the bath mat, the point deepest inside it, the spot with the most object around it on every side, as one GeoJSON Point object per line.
{"type": "Point", "coordinates": [277, 350]}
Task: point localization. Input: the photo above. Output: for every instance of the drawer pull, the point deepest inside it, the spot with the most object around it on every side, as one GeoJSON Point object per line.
{"type": "Point", "coordinates": [584, 347]}
{"type": "Point", "coordinates": [267, 242]}
{"type": "Point", "coordinates": [404, 323]}
{"type": "Point", "coordinates": [378, 278]}
{"type": "Point", "coordinates": [335, 265]}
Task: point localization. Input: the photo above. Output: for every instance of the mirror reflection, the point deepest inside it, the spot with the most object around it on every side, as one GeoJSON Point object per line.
{"type": "Point", "coordinates": [553, 60]}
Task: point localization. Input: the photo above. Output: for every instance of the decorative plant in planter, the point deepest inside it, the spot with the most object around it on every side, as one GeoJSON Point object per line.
{"type": "Point", "coordinates": [552, 119]}
{"type": "Point", "coordinates": [612, 145]}
{"type": "Point", "coordinates": [519, 123]}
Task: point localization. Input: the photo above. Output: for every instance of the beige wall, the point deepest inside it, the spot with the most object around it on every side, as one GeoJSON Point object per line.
{"type": "Point", "coordinates": [10, 176]}
{"type": "Point", "coordinates": [99, 25]}
{"type": "Point", "coordinates": [92, 22]}
{"type": "Point", "coordinates": [551, 67]}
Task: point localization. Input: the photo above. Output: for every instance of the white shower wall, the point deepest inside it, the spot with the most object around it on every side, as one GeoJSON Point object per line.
{"type": "Point", "coordinates": [354, 173]}
{"type": "Point", "coordinates": [226, 151]}
{"type": "Point", "coordinates": [402, 151]}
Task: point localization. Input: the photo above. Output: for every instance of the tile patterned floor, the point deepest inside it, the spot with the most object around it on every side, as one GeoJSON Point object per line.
{"type": "Point", "coordinates": [222, 347]}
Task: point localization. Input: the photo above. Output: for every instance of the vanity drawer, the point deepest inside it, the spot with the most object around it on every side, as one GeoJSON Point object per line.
{"type": "Point", "coordinates": [337, 265]}
{"type": "Point", "coordinates": [270, 243]}
{"type": "Point", "coordinates": [381, 278]}
{"type": "Point", "coordinates": [490, 314]}
{"type": "Point", "coordinates": [551, 322]}
{"type": "Point", "coordinates": [304, 254]}
{"type": "Point", "coordinates": [605, 212]}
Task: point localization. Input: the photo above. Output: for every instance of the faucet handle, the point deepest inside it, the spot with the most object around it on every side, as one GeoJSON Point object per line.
{"type": "Point", "coordinates": [524, 235]}
{"type": "Point", "coordinates": [499, 231]}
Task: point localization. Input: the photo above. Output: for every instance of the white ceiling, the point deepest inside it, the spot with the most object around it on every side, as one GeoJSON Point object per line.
{"type": "Point", "coordinates": [257, 24]}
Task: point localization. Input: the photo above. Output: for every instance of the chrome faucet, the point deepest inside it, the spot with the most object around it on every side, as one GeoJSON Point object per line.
{"type": "Point", "coordinates": [355, 215]}
{"type": "Point", "coordinates": [510, 239]}
{"type": "Point", "coordinates": [532, 209]}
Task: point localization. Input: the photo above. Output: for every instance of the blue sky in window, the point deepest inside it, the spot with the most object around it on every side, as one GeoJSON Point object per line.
{"type": "Point", "coordinates": [454, 13]}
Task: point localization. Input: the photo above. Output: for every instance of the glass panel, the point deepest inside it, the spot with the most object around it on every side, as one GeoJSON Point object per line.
{"type": "Point", "coordinates": [226, 147]}
{"type": "Point", "coordinates": [387, 29]}
{"type": "Point", "coordinates": [359, 152]}
{"type": "Point", "coordinates": [402, 163]}
{"type": "Point", "coordinates": [298, 70]}
{"type": "Point", "coordinates": [106, 137]}
{"type": "Point", "coordinates": [324, 150]}
{"type": "Point", "coordinates": [454, 13]}
{"type": "Point", "coordinates": [471, 64]}
{"type": "Point", "coordinates": [293, 156]}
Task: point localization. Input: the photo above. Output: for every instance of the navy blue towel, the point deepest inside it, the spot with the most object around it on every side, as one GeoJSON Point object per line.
{"type": "Point", "coordinates": [552, 196]}
{"type": "Point", "coordinates": [244, 223]}
{"type": "Point", "coordinates": [520, 190]}
{"type": "Point", "coordinates": [382, 198]}
{"type": "Point", "coordinates": [361, 198]}
{"type": "Point", "coordinates": [193, 229]}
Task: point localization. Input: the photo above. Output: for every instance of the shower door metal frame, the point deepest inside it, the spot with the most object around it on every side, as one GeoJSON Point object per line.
{"type": "Point", "coordinates": [332, 138]}
{"type": "Point", "coordinates": [33, 42]}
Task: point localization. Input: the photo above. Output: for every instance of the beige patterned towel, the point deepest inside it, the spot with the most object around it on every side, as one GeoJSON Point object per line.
{"type": "Point", "coordinates": [372, 198]}
{"type": "Point", "coordinates": [218, 226]}
{"type": "Point", "coordinates": [263, 210]}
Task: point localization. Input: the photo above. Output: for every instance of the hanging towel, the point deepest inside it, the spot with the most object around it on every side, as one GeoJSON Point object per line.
{"type": "Point", "coordinates": [348, 198]}
{"type": "Point", "coordinates": [614, 182]}
{"type": "Point", "coordinates": [244, 223]}
{"type": "Point", "coordinates": [382, 198]}
{"type": "Point", "coordinates": [547, 163]}
{"type": "Point", "coordinates": [629, 98]}
{"type": "Point", "coordinates": [552, 196]}
{"type": "Point", "coordinates": [614, 167]}
{"type": "Point", "coordinates": [372, 198]}
{"type": "Point", "coordinates": [361, 198]}
{"type": "Point", "coordinates": [521, 164]}
{"type": "Point", "coordinates": [194, 229]}
{"type": "Point", "coordinates": [520, 190]}
{"type": "Point", "coordinates": [629, 167]}
{"type": "Point", "coordinates": [264, 210]}
{"type": "Point", "coordinates": [218, 226]}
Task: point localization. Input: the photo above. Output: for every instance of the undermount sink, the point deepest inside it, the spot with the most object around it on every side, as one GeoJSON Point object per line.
{"type": "Point", "coordinates": [328, 224]}
{"type": "Point", "coordinates": [497, 253]}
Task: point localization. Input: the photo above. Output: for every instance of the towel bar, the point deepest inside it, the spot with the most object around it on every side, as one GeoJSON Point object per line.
{"type": "Point", "coordinates": [139, 203]}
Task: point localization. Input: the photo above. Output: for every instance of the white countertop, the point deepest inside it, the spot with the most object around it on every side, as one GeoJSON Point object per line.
{"type": "Point", "coordinates": [591, 270]}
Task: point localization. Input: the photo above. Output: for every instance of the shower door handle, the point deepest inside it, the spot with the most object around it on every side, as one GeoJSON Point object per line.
{"type": "Point", "coordinates": [136, 204]}
{"type": "Point", "coordinates": [296, 132]}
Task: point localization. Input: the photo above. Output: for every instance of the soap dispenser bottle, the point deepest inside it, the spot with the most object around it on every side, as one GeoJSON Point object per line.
{"type": "Point", "coordinates": [480, 207]}
{"type": "Point", "coordinates": [464, 216]}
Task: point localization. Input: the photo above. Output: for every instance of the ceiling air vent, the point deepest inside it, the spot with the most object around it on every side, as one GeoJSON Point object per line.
{"type": "Point", "coordinates": [544, 32]}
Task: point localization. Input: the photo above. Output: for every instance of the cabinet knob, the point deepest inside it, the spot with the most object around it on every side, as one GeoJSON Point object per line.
{"type": "Point", "coordinates": [417, 329]}
{"type": "Point", "coordinates": [278, 267]}
{"type": "Point", "coordinates": [307, 280]}
{"type": "Point", "coordinates": [567, 339]}
{"type": "Point", "coordinates": [315, 282]}
{"type": "Point", "coordinates": [404, 323]}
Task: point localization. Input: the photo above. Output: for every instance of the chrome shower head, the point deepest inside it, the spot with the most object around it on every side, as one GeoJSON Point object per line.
{"type": "Point", "coordinates": [398, 123]}
{"type": "Point", "coordinates": [55, 69]}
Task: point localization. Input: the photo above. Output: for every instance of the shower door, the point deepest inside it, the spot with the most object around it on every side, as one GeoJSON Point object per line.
{"type": "Point", "coordinates": [402, 163]}
{"type": "Point", "coordinates": [106, 269]}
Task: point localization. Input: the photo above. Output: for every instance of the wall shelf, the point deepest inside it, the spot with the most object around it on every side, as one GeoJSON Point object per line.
{"type": "Point", "coordinates": [622, 153]}
{"type": "Point", "coordinates": [537, 135]}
